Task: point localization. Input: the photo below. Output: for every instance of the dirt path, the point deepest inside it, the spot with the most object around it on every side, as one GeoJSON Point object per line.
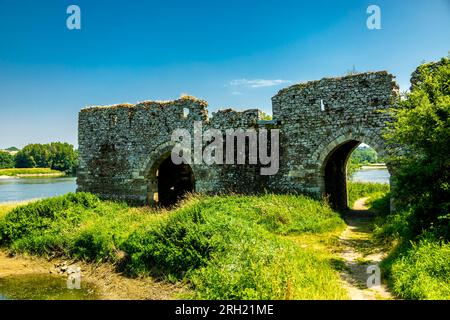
{"type": "Point", "coordinates": [110, 284]}
{"type": "Point", "coordinates": [359, 252]}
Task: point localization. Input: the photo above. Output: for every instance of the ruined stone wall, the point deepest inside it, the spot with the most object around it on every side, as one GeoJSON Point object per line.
{"type": "Point", "coordinates": [122, 146]}
{"type": "Point", "coordinates": [115, 144]}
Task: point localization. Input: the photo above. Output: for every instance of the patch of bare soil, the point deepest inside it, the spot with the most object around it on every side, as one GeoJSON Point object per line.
{"type": "Point", "coordinates": [359, 251]}
{"type": "Point", "coordinates": [110, 284]}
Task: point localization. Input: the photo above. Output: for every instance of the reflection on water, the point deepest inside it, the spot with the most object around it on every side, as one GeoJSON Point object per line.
{"type": "Point", "coordinates": [43, 287]}
{"type": "Point", "coordinates": [372, 175]}
{"type": "Point", "coordinates": [13, 189]}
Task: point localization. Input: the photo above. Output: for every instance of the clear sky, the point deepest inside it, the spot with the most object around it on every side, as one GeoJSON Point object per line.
{"type": "Point", "coordinates": [233, 53]}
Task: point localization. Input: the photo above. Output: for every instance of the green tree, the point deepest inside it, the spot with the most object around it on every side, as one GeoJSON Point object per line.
{"type": "Point", "coordinates": [364, 155]}
{"type": "Point", "coordinates": [57, 155]}
{"type": "Point", "coordinates": [422, 133]}
{"type": "Point", "coordinates": [6, 160]}
{"type": "Point", "coordinates": [37, 153]}
{"type": "Point", "coordinates": [63, 157]}
{"type": "Point", "coordinates": [24, 160]}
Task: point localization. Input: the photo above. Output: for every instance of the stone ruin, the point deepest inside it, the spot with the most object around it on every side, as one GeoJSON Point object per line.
{"type": "Point", "coordinates": [125, 149]}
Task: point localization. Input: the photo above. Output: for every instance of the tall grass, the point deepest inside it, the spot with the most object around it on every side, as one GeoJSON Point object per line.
{"type": "Point", "coordinates": [228, 247]}
{"type": "Point", "coordinates": [420, 270]}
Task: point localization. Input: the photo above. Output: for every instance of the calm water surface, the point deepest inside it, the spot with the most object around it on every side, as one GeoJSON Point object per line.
{"type": "Point", "coordinates": [372, 175]}
{"type": "Point", "coordinates": [43, 287]}
{"type": "Point", "coordinates": [13, 189]}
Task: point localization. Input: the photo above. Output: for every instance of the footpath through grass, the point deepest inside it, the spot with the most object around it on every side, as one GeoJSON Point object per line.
{"type": "Point", "coordinates": [222, 247]}
{"type": "Point", "coordinates": [357, 190]}
{"type": "Point", "coordinates": [415, 268]}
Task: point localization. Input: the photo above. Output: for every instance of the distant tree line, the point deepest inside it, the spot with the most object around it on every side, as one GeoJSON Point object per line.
{"type": "Point", "coordinates": [364, 155]}
{"type": "Point", "coordinates": [56, 155]}
{"type": "Point", "coordinates": [360, 157]}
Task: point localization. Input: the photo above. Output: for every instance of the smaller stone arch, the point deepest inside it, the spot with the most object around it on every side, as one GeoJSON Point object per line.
{"type": "Point", "coordinates": [160, 157]}
{"type": "Point", "coordinates": [332, 157]}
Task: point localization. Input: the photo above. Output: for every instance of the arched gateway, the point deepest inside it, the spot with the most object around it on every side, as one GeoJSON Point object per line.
{"type": "Point", "coordinates": [125, 149]}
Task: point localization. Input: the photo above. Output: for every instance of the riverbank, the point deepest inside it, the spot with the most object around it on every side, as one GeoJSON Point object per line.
{"type": "Point", "coordinates": [223, 247]}
{"type": "Point", "coordinates": [374, 166]}
{"type": "Point", "coordinates": [227, 247]}
{"type": "Point", "coordinates": [30, 173]}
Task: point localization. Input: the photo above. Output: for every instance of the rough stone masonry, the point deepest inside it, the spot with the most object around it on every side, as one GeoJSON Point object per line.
{"type": "Point", "coordinates": [125, 149]}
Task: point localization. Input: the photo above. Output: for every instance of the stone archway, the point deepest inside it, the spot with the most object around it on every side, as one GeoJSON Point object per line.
{"type": "Point", "coordinates": [333, 159]}
{"type": "Point", "coordinates": [166, 182]}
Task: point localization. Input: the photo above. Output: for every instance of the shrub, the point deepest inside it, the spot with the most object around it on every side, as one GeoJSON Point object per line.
{"type": "Point", "coordinates": [43, 215]}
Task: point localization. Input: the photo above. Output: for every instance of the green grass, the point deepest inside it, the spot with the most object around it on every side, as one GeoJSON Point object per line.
{"type": "Point", "coordinates": [417, 267]}
{"type": "Point", "coordinates": [227, 247]}
{"type": "Point", "coordinates": [420, 270]}
{"type": "Point", "coordinates": [6, 207]}
{"type": "Point", "coordinates": [28, 171]}
{"type": "Point", "coordinates": [357, 190]}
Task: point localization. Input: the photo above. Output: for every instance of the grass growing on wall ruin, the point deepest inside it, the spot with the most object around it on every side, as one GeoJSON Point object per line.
{"type": "Point", "coordinates": [228, 247]}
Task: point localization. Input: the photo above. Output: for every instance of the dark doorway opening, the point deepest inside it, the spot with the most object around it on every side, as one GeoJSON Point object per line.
{"type": "Point", "coordinates": [336, 175]}
{"type": "Point", "coordinates": [174, 181]}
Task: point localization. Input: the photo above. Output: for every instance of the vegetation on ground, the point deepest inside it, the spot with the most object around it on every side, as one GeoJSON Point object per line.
{"type": "Point", "coordinates": [227, 247]}
{"type": "Point", "coordinates": [371, 190]}
{"type": "Point", "coordinates": [28, 171]}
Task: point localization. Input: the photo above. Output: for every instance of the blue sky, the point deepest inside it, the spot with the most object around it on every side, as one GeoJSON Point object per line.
{"type": "Point", "coordinates": [234, 53]}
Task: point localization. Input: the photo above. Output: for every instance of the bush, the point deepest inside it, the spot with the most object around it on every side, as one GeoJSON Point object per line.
{"type": "Point", "coordinates": [44, 215]}
{"type": "Point", "coordinates": [182, 243]}
{"type": "Point", "coordinates": [228, 248]}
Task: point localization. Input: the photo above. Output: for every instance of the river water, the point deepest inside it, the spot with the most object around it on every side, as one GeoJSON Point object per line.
{"type": "Point", "coordinates": [13, 189]}
{"type": "Point", "coordinates": [43, 287]}
{"type": "Point", "coordinates": [372, 175]}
